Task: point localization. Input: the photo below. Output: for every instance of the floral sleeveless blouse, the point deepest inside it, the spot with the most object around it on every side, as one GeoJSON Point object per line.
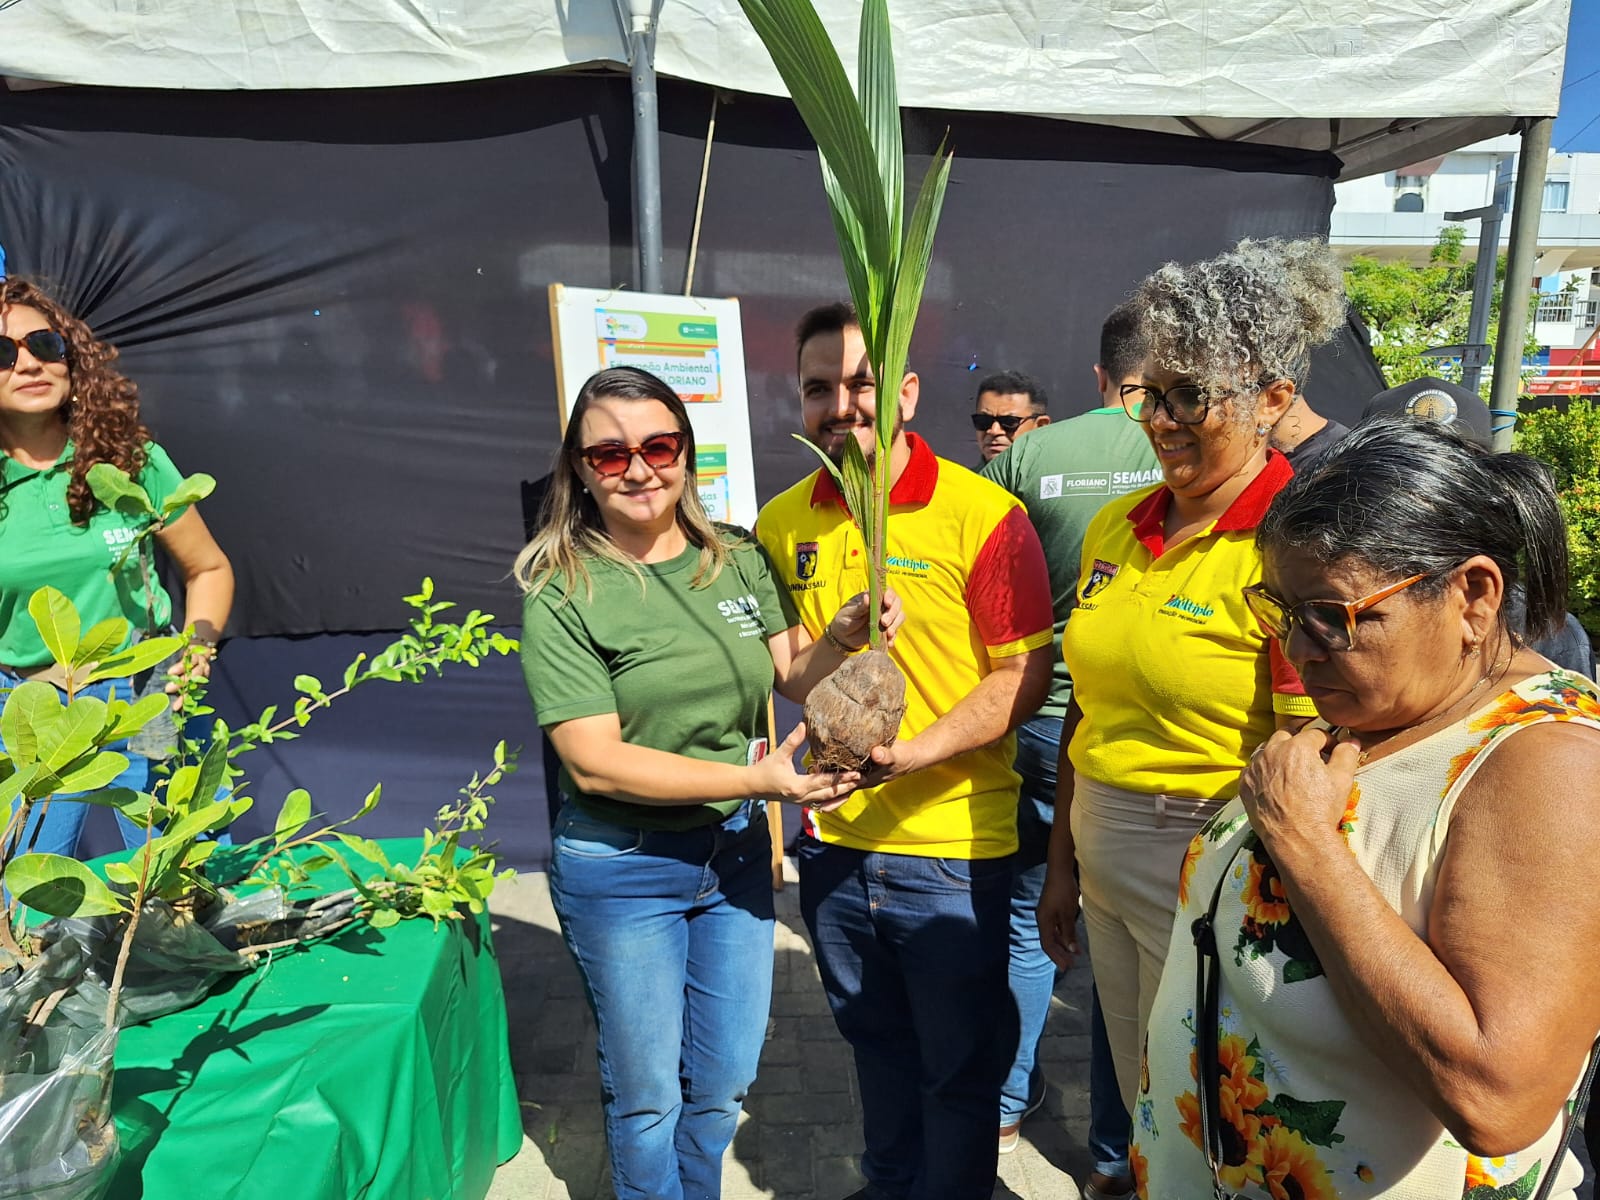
{"type": "Point", "coordinates": [1307, 1111]}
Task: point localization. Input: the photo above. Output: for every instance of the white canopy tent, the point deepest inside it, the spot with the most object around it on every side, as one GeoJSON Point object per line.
{"type": "Point", "coordinates": [1380, 84]}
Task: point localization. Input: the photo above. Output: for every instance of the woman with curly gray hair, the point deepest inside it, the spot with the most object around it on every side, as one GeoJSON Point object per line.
{"type": "Point", "coordinates": [1174, 683]}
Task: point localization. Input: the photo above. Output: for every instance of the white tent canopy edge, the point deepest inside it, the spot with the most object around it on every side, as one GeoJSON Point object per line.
{"type": "Point", "coordinates": [1381, 84]}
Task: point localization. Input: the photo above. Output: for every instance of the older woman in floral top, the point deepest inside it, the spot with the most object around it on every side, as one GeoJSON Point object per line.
{"type": "Point", "coordinates": [1381, 974]}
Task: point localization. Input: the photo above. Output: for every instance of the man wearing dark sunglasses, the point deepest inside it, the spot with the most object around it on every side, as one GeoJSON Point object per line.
{"type": "Point", "coordinates": [1009, 405]}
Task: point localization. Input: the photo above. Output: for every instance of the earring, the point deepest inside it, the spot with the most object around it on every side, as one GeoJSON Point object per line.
{"type": "Point", "coordinates": [1472, 648]}
{"type": "Point", "coordinates": [1261, 431]}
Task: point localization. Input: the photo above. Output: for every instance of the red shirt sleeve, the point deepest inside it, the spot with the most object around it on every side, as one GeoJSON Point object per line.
{"type": "Point", "coordinates": [1285, 679]}
{"type": "Point", "coordinates": [1008, 592]}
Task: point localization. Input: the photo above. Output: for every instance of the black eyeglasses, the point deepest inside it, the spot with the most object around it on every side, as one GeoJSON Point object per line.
{"type": "Point", "coordinates": [1186, 404]}
{"type": "Point", "coordinates": [1331, 624]}
{"type": "Point", "coordinates": [981, 421]}
{"type": "Point", "coordinates": [610, 459]}
{"type": "Point", "coordinates": [46, 345]}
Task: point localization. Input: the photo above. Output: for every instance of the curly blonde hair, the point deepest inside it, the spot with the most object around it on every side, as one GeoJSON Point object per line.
{"type": "Point", "coordinates": [102, 412]}
{"type": "Point", "coordinates": [1246, 318]}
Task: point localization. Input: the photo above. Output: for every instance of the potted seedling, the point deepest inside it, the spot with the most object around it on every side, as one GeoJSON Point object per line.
{"type": "Point", "coordinates": [144, 939]}
{"type": "Point", "coordinates": [886, 260]}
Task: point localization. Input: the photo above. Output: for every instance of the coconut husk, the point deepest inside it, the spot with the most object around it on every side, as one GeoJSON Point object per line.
{"type": "Point", "coordinates": [856, 708]}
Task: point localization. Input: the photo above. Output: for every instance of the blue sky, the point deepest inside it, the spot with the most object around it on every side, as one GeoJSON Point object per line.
{"type": "Point", "coordinates": [1578, 124]}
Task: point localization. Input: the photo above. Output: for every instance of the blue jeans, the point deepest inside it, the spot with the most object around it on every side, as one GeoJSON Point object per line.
{"type": "Point", "coordinates": [672, 934]}
{"type": "Point", "coordinates": [1033, 975]}
{"type": "Point", "coordinates": [913, 957]}
{"type": "Point", "coordinates": [63, 822]}
{"type": "Point", "coordinates": [1109, 1123]}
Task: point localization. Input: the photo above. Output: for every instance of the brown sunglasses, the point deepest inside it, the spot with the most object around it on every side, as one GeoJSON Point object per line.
{"type": "Point", "coordinates": [610, 459]}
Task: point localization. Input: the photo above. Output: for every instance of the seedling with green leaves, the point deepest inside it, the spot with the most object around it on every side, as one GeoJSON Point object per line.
{"type": "Point", "coordinates": [116, 489]}
{"type": "Point", "coordinates": [54, 747]}
{"type": "Point", "coordinates": [886, 264]}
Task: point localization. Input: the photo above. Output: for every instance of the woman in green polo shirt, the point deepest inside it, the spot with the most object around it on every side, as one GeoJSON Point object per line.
{"type": "Point", "coordinates": [651, 640]}
{"type": "Point", "coordinates": [64, 407]}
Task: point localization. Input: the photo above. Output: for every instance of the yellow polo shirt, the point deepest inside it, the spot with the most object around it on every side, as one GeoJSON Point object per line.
{"type": "Point", "coordinates": [1177, 681]}
{"type": "Point", "coordinates": [969, 570]}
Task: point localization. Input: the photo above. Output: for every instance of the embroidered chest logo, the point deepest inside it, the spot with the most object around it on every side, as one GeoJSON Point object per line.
{"type": "Point", "coordinates": [805, 560]}
{"type": "Point", "coordinates": [1104, 572]}
{"type": "Point", "coordinates": [1179, 605]}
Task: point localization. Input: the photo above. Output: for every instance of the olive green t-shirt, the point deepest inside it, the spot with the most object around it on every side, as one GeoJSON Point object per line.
{"type": "Point", "coordinates": [39, 546]}
{"type": "Point", "coordinates": [1064, 474]}
{"type": "Point", "coordinates": [686, 669]}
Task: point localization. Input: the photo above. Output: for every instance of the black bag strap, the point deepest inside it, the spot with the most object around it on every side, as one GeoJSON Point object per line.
{"type": "Point", "coordinates": [1208, 1003]}
{"type": "Point", "coordinates": [1207, 1006]}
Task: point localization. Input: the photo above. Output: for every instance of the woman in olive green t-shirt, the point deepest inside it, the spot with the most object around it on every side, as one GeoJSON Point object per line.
{"type": "Point", "coordinates": [651, 641]}
{"type": "Point", "coordinates": [64, 408]}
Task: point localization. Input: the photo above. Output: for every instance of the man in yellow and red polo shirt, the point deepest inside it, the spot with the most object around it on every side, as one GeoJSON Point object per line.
{"type": "Point", "coordinates": [905, 888]}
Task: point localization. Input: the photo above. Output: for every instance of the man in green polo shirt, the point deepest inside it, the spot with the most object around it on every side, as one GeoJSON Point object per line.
{"type": "Point", "coordinates": [1064, 474]}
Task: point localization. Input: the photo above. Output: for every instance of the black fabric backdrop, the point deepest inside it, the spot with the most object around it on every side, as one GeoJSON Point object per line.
{"type": "Point", "coordinates": [335, 302]}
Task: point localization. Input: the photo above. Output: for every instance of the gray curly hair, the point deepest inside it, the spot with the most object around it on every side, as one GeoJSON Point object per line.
{"type": "Point", "coordinates": [1248, 317]}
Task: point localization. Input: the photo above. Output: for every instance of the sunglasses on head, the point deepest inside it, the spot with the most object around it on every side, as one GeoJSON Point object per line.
{"type": "Point", "coordinates": [981, 421]}
{"type": "Point", "coordinates": [1331, 624]}
{"type": "Point", "coordinates": [610, 459]}
{"type": "Point", "coordinates": [46, 345]}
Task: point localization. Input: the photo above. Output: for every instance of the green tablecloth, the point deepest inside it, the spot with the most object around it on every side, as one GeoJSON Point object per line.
{"type": "Point", "coordinates": [371, 1067]}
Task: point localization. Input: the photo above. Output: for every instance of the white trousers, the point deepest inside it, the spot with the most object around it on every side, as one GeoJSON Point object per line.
{"type": "Point", "coordinates": [1130, 848]}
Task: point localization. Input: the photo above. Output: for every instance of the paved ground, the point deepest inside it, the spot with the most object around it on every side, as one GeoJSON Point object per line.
{"type": "Point", "coordinates": [800, 1134]}
{"type": "Point", "coordinates": [801, 1130]}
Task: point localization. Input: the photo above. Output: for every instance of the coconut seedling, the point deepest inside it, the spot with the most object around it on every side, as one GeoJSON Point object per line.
{"type": "Point", "coordinates": [886, 264]}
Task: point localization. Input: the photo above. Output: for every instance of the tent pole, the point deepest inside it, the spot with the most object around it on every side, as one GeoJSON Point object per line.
{"type": "Point", "coordinates": [1525, 207]}
{"type": "Point", "coordinates": [646, 143]}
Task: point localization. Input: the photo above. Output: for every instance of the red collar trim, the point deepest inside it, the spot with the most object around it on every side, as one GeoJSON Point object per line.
{"type": "Point", "coordinates": [1150, 514]}
{"type": "Point", "coordinates": [915, 485]}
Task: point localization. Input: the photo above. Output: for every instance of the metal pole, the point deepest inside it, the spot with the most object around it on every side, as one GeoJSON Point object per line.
{"type": "Point", "coordinates": [646, 143]}
{"type": "Point", "coordinates": [1472, 358]}
{"type": "Point", "coordinates": [1525, 210]}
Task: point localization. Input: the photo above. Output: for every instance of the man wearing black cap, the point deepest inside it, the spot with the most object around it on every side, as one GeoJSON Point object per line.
{"type": "Point", "coordinates": [1431, 399]}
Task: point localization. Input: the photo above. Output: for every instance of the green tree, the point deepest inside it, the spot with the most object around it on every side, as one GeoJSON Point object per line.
{"type": "Point", "coordinates": [1410, 309]}
{"type": "Point", "coordinates": [1567, 438]}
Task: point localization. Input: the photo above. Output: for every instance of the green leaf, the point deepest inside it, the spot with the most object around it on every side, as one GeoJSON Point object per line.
{"type": "Point", "coordinates": [28, 708]}
{"type": "Point", "coordinates": [113, 488]}
{"type": "Point", "coordinates": [101, 640]}
{"type": "Point", "coordinates": [1313, 1120]}
{"type": "Point", "coordinates": [384, 918]}
{"type": "Point", "coordinates": [368, 850]}
{"type": "Point", "coordinates": [880, 107]}
{"type": "Point", "coordinates": [437, 904]}
{"type": "Point", "coordinates": [60, 886]}
{"type": "Point", "coordinates": [190, 491]}
{"type": "Point", "coordinates": [213, 771]}
{"type": "Point", "coordinates": [1298, 970]}
{"type": "Point", "coordinates": [58, 623]}
{"type": "Point", "coordinates": [309, 684]}
{"type": "Point", "coordinates": [204, 819]}
{"type": "Point", "coordinates": [858, 484]}
{"type": "Point", "coordinates": [833, 468]}
{"type": "Point", "coordinates": [371, 802]}
{"type": "Point", "coordinates": [910, 279]}
{"type": "Point", "coordinates": [131, 718]}
{"type": "Point", "coordinates": [95, 774]}
{"type": "Point", "coordinates": [73, 733]}
{"type": "Point", "coordinates": [123, 873]}
{"type": "Point", "coordinates": [810, 68]}
{"type": "Point", "coordinates": [141, 656]}
{"type": "Point", "coordinates": [293, 816]}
